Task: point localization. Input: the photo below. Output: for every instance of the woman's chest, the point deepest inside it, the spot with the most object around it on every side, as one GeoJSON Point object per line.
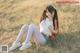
{"type": "Point", "coordinates": [46, 24]}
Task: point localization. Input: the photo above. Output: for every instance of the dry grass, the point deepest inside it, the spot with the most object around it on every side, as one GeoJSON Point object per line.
{"type": "Point", "coordinates": [15, 13]}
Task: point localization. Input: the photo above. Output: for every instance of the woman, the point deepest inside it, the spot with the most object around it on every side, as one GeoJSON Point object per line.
{"type": "Point", "coordinates": [48, 28]}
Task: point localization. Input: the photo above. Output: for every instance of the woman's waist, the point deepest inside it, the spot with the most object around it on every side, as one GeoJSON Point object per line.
{"type": "Point", "coordinates": [47, 33]}
{"type": "Point", "coordinates": [45, 36]}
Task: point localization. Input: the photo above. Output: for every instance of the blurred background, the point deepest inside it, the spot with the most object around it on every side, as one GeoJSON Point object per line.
{"type": "Point", "coordinates": [15, 13]}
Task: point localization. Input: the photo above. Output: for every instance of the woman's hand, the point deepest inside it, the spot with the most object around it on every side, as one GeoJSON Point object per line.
{"type": "Point", "coordinates": [52, 37]}
{"type": "Point", "coordinates": [53, 33]}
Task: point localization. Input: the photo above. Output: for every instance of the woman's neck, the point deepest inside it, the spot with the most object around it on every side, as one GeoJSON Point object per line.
{"type": "Point", "coordinates": [50, 18]}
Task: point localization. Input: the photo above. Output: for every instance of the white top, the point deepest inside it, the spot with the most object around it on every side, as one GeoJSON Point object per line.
{"type": "Point", "coordinates": [44, 26]}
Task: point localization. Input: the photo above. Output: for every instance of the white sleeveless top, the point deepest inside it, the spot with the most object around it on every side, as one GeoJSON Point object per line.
{"type": "Point", "coordinates": [44, 26]}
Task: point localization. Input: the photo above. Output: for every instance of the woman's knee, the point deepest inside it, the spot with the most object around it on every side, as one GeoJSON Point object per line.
{"type": "Point", "coordinates": [24, 26]}
{"type": "Point", "coordinates": [32, 26]}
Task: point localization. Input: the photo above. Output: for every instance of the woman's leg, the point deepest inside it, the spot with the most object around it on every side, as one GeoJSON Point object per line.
{"type": "Point", "coordinates": [24, 29]}
{"type": "Point", "coordinates": [40, 38]}
{"type": "Point", "coordinates": [33, 29]}
{"type": "Point", "coordinates": [16, 43]}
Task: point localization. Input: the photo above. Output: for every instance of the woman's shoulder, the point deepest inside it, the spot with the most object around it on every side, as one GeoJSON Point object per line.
{"type": "Point", "coordinates": [42, 21]}
{"type": "Point", "coordinates": [47, 19]}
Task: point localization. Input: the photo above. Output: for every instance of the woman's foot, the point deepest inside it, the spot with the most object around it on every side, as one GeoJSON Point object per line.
{"type": "Point", "coordinates": [25, 46]}
{"type": "Point", "coordinates": [14, 46]}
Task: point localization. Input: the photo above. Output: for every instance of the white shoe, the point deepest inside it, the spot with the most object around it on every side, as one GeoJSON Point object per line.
{"type": "Point", "coordinates": [25, 46]}
{"type": "Point", "coordinates": [14, 46]}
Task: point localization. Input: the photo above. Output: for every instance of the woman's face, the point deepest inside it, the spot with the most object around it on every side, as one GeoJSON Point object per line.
{"type": "Point", "coordinates": [49, 14]}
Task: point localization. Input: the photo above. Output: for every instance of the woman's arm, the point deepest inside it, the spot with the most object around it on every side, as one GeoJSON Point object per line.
{"type": "Point", "coordinates": [57, 26]}
{"type": "Point", "coordinates": [53, 33]}
{"type": "Point", "coordinates": [51, 30]}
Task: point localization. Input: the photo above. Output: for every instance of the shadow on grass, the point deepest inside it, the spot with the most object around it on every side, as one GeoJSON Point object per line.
{"type": "Point", "coordinates": [63, 43]}
{"type": "Point", "coordinates": [68, 40]}
{"type": "Point", "coordinates": [55, 43]}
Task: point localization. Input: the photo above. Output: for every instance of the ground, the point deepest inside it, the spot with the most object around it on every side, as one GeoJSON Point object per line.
{"type": "Point", "coordinates": [15, 13]}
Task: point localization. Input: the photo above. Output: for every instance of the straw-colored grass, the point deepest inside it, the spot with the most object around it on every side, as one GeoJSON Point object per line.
{"type": "Point", "coordinates": [15, 13]}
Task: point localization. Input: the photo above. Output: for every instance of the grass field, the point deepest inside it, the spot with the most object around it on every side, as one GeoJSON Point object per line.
{"type": "Point", "coordinates": [15, 13]}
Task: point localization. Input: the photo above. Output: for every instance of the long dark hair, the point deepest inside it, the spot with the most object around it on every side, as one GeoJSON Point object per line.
{"type": "Point", "coordinates": [51, 9]}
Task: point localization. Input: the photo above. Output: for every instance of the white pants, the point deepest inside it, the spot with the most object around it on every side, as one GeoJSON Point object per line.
{"type": "Point", "coordinates": [30, 29]}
